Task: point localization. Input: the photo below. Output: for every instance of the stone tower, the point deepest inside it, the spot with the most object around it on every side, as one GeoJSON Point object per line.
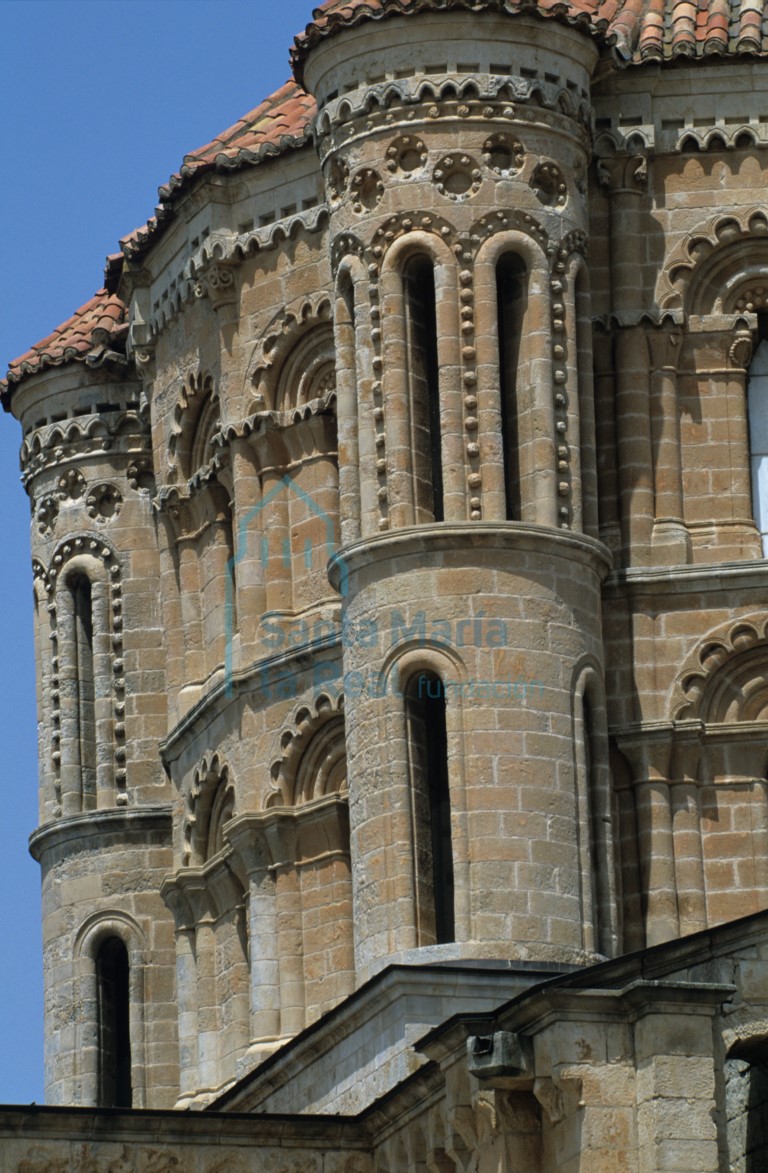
{"type": "Point", "coordinates": [399, 516]}
{"type": "Point", "coordinates": [103, 841]}
{"type": "Point", "coordinates": [458, 220]}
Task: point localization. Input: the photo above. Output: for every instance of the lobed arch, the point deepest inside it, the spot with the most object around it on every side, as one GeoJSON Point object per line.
{"type": "Point", "coordinates": [307, 370]}
{"type": "Point", "coordinates": [296, 352]}
{"type": "Point", "coordinates": [210, 805]}
{"type": "Point", "coordinates": [312, 764]}
{"type": "Point", "coordinates": [202, 447]}
{"type": "Point", "coordinates": [717, 254]}
{"type": "Point", "coordinates": [194, 422]}
{"type": "Point", "coordinates": [725, 678]}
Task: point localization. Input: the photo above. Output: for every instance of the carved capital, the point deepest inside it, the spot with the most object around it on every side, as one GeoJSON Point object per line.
{"type": "Point", "coordinates": [664, 348]}
{"type": "Point", "coordinates": [648, 749]}
{"type": "Point", "coordinates": [216, 282]}
{"type": "Point", "coordinates": [623, 173]}
{"type": "Point", "coordinates": [558, 1095]}
{"type": "Point", "coordinates": [740, 351]}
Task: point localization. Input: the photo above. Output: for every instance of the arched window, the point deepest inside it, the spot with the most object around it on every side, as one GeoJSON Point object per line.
{"type": "Point", "coordinates": [757, 401]}
{"type": "Point", "coordinates": [585, 499]}
{"type": "Point", "coordinates": [423, 386]}
{"type": "Point", "coordinates": [346, 408]}
{"type": "Point", "coordinates": [595, 821]}
{"type": "Point", "coordinates": [590, 790]}
{"type": "Point", "coordinates": [511, 296]}
{"type": "Point", "coordinates": [746, 1084]}
{"type": "Point", "coordinates": [112, 991]}
{"type": "Point", "coordinates": [85, 709]}
{"type": "Point", "coordinates": [431, 806]}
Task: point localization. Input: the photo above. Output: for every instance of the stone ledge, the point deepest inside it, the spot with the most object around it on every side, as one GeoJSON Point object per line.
{"type": "Point", "coordinates": [363, 1049]}
{"type": "Point", "coordinates": [448, 537]}
{"type": "Point", "coordinates": [709, 577]}
{"type": "Point", "coordinates": [132, 823]}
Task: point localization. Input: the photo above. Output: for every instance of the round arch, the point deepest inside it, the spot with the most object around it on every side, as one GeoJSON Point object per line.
{"type": "Point", "coordinates": [96, 931]}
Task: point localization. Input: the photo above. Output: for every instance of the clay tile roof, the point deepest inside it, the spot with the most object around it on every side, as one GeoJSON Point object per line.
{"type": "Point", "coordinates": [94, 332]}
{"type": "Point", "coordinates": [640, 30]}
{"type": "Point", "coordinates": [278, 124]}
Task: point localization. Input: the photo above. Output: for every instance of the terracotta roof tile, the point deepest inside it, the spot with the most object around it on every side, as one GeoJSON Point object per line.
{"type": "Point", "coordinates": [641, 30]}
{"type": "Point", "coordinates": [97, 329]}
{"type": "Point", "coordinates": [280, 123]}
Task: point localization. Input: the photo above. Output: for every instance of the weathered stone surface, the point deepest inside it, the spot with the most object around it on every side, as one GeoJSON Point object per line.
{"type": "Point", "coordinates": [400, 602]}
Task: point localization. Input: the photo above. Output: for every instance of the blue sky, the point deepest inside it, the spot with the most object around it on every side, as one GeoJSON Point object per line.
{"type": "Point", "coordinates": [102, 98]}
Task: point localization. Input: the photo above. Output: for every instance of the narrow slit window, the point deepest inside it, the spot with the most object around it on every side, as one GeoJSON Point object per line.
{"type": "Point", "coordinates": [590, 788]}
{"type": "Point", "coordinates": [757, 404]}
{"type": "Point", "coordinates": [112, 979]}
{"type": "Point", "coordinates": [82, 600]}
{"type": "Point", "coordinates": [511, 293]}
{"type": "Point", "coordinates": [423, 382]}
{"type": "Point", "coordinates": [433, 851]}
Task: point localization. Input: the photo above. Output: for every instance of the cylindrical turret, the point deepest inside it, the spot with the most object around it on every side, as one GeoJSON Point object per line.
{"type": "Point", "coordinates": [105, 825]}
{"type": "Point", "coordinates": [479, 809]}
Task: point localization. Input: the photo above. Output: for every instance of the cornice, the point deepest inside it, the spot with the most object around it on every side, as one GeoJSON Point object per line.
{"type": "Point", "coordinates": [199, 1127]}
{"type": "Point", "coordinates": [417, 540]}
{"type": "Point", "coordinates": [391, 987]}
{"type": "Point", "coordinates": [269, 672]}
{"type": "Point", "coordinates": [76, 437]}
{"type": "Point", "coordinates": [133, 823]}
{"type": "Point", "coordinates": [465, 98]}
{"type": "Point", "coordinates": [710, 578]}
{"type": "Point", "coordinates": [209, 273]}
{"type": "Point", "coordinates": [331, 19]}
{"type": "Point", "coordinates": [265, 421]}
